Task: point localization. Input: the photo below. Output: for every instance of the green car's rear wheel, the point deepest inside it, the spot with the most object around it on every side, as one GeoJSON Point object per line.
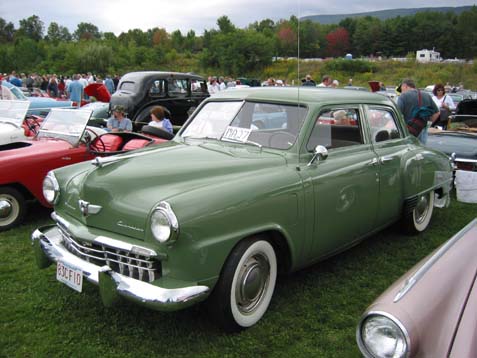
{"type": "Point", "coordinates": [418, 220]}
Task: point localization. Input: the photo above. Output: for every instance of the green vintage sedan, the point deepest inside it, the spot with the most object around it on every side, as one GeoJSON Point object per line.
{"type": "Point", "coordinates": [257, 182]}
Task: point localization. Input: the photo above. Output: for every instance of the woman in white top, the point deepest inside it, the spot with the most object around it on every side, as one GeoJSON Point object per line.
{"type": "Point", "coordinates": [445, 104]}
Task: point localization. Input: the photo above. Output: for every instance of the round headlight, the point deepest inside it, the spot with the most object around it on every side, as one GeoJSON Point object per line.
{"type": "Point", "coordinates": [164, 225]}
{"type": "Point", "coordinates": [383, 336]}
{"type": "Point", "coordinates": [51, 188]}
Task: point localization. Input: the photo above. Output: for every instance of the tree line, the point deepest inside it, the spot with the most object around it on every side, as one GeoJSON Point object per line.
{"type": "Point", "coordinates": [228, 49]}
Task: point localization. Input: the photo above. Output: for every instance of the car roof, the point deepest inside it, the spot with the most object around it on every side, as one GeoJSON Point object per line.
{"type": "Point", "coordinates": [146, 75]}
{"type": "Point", "coordinates": [302, 94]}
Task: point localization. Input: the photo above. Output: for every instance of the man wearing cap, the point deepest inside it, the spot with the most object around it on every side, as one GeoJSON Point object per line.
{"type": "Point", "coordinates": [119, 122]}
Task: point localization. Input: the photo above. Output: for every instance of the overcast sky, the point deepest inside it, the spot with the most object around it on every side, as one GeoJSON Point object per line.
{"type": "Point", "coordinates": [122, 15]}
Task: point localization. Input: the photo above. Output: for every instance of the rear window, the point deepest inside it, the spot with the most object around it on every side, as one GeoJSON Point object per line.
{"type": "Point", "coordinates": [127, 86]}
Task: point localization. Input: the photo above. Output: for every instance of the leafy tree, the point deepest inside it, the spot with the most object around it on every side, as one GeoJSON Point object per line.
{"type": "Point", "coordinates": [161, 38]}
{"type": "Point", "coordinates": [368, 35]}
{"type": "Point", "coordinates": [86, 31]}
{"type": "Point", "coordinates": [31, 28]}
{"type": "Point", "coordinates": [309, 39]}
{"type": "Point", "coordinates": [238, 52]}
{"type": "Point", "coordinates": [139, 37]}
{"type": "Point", "coordinates": [56, 33]}
{"type": "Point", "coordinates": [466, 33]}
{"type": "Point", "coordinates": [266, 26]}
{"type": "Point", "coordinates": [287, 39]}
{"type": "Point", "coordinates": [7, 30]}
{"type": "Point", "coordinates": [109, 36]}
{"type": "Point", "coordinates": [338, 42]}
{"type": "Point", "coordinates": [177, 40]}
{"type": "Point", "coordinates": [94, 57]}
{"type": "Point", "coordinates": [27, 54]}
{"type": "Point", "coordinates": [191, 42]}
{"type": "Point", "coordinates": [225, 25]}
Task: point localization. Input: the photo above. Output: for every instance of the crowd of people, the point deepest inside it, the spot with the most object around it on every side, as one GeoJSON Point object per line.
{"type": "Point", "coordinates": [60, 86]}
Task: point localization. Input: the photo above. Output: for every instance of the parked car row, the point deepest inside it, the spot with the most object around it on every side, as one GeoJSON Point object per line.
{"type": "Point", "coordinates": [239, 202]}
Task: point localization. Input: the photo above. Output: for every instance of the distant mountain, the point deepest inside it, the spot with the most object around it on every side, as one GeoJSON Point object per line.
{"type": "Point", "coordinates": [383, 14]}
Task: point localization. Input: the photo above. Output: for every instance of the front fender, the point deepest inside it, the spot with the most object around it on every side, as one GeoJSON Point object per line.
{"type": "Point", "coordinates": [213, 219]}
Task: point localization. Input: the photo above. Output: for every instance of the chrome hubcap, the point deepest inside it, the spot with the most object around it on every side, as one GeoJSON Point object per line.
{"type": "Point", "coordinates": [252, 283]}
{"type": "Point", "coordinates": [5, 208]}
{"type": "Point", "coordinates": [422, 208]}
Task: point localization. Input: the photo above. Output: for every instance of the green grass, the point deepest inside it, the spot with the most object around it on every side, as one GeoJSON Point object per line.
{"type": "Point", "coordinates": [314, 312]}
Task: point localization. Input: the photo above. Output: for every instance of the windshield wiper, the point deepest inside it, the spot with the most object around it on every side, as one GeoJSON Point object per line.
{"type": "Point", "coordinates": [244, 142]}
{"type": "Point", "coordinates": [206, 137]}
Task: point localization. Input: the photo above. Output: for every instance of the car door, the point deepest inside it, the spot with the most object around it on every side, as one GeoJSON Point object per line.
{"type": "Point", "coordinates": [345, 184]}
{"type": "Point", "coordinates": [390, 146]}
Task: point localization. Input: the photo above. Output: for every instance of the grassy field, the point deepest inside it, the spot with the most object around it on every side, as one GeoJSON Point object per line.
{"type": "Point", "coordinates": [314, 312]}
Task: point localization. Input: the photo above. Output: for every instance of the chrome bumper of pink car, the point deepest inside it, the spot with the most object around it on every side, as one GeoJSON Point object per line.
{"type": "Point", "coordinates": [47, 243]}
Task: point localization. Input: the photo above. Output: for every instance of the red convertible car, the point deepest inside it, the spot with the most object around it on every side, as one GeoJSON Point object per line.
{"type": "Point", "coordinates": [63, 139]}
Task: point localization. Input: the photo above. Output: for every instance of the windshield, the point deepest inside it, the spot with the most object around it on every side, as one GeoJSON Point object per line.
{"type": "Point", "coordinates": [269, 125]}
{"type": "Point", "coordinates": [13, 111]}
{"type": "Point", "coordinates": [66, 124]}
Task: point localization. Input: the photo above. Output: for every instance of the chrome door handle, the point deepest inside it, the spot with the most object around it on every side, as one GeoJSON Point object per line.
{"type": "Point", "coordinates": [373, 162]}
{"type": "Point", "coordinates": [386, 159]}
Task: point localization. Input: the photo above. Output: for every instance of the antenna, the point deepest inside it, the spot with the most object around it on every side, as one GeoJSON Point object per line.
{"type": "Point", "coordinates": [298, 51]}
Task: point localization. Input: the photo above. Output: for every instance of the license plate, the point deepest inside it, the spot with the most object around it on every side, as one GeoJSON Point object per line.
{"type": "Point", "coordinates": [69, 275]}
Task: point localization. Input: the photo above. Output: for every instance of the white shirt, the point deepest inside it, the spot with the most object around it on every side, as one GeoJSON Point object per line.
{"type": "Point", "coordinates": [446, 99]}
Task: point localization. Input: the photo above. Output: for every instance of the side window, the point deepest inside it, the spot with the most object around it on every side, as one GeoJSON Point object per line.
{"type": "Point", "coordinates": [157, 88]}
{"type": "Point", "coordinates": [335, 128]}
{"type": "Point", "coordinates": [198, 86]}
{"type": "Point", "coordinates": [383, 125]}
{"type": "Point", "coordinates": [177, 86]}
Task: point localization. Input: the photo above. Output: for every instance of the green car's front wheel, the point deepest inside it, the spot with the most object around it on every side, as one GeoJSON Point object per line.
{"type": "Point", "coordinates": [245, 287]}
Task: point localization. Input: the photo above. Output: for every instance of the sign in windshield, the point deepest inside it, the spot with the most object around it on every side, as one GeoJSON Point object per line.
{"type": "Point", "coordinates": [271, 125]}
{"type": "Point", "coordinates": [67, 124]}
{"type": "Point", "coordinates": [13, 111]}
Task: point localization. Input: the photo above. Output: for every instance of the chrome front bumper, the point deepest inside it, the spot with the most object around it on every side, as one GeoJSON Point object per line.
{"type": "Point", "coordinates": [48, 247]}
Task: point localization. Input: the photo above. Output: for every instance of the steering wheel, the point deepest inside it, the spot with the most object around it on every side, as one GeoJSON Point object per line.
{"type": "Point", "coordinates": [281, 140]}
{"type": "Point", "coordinates": [92, 142]}
{"type": "Point", "coordinates": [32, 124]}
{"type": "Point", "coordinates": [157, 132]}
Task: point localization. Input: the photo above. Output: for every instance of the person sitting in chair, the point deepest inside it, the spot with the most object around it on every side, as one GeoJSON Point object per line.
{"type": "Point", "coordinates": [158, 119]}
{"type": "Point", "coordinates": [119, 122]}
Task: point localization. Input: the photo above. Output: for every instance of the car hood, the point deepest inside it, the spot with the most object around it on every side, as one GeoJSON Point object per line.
{"type": "Point", "coordinates": [20, 150]}
{"type": "Point", "coordinates": [128, 189]}
{"type": "Point", "coordinates": [464, 145]}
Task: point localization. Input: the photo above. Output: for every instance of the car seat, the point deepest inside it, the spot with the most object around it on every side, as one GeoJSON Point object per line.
{"type": "Point", "coordinates": [112, 143]}
{"type": "Point", "coordinates": [136, 143]}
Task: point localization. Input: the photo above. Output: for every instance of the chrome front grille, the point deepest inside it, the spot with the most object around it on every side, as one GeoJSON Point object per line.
{"type": "Point", "coordinates": [122, 261]}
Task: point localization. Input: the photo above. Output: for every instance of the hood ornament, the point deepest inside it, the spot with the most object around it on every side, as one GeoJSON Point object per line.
{"type": "Point", "coordinates": [87, 208]}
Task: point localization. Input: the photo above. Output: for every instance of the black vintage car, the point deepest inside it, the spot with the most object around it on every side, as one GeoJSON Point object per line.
{"type": "Point", "coordinates": [460, 139]}
{"type": "Point", "coordinates": [179, 93]}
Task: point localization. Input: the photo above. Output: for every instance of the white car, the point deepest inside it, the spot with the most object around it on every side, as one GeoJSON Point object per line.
{"type": "Point", "coordinates": [12, 116]}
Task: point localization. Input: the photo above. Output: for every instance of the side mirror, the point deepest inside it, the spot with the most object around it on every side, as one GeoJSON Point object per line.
{"type": "Point", "coordinates": [320, 153]}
